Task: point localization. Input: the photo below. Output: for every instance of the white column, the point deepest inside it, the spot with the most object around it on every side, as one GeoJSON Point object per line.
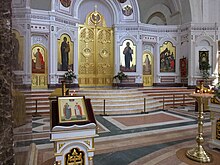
{"type": "Point", "coordinates": [191, 64]}
{"type": "Point", "coordinates": [117, 53]}
{"type": "Point", "coordinates": [27, 56]}
{"type": "Point", "coordinates": [156, 63]}
{"type": "Point", "coordinates": [76, 53]}
{"type": "Point", "coordinates": [52, 56]}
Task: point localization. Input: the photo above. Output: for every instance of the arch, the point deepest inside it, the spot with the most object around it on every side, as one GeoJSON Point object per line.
{"type": "Point", "coordinates": [136, 10]}
{"type": "Point", "coordinates": [159, 8]}
{"type": "Point", "coordinates": [159, 15]}
{"type": "Point", "coordinates": [195, 9]}
{"type": "Point", "coordinates": [204, 38]}
{"type": "Point", "coordinates": [111, 7]}
{"type": "Point", "coordinates": [19, 28]}
{"type": "Point", "coordinates": [174, 42]}
{"type": "Point", "coordinates": [65, 31]}
{"type": "Point", "coordinates": [127, 37]}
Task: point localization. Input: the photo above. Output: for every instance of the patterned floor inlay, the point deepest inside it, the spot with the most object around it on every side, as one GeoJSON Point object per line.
{"type": "Point", "coordinates": [138, 139]}
{"type": "Point", "coordinates": [146, 120]}
{"type": "Point", "coordinates": [102, 128]}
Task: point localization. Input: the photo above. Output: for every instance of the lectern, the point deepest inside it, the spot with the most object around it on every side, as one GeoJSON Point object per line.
{"type": "Point", "coordinates": [73, 129]}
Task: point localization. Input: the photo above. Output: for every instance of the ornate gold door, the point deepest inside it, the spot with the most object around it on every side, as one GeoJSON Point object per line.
{"type": "Point", "coordinates": [147, 69]}
{"type": "Point", "coordinates": [95, 52]}
{"type": "Point", "coordinates": [39, 67]}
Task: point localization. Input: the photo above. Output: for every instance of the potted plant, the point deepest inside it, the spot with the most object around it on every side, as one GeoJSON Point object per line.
{"type": "Point", "coordinates": [216, 91]}
{"type": "Point", "coordinates": [120, 76]}
{"type": "Point", "coordinates": [205, 67]}
{"type": "Point", "coordinates": [69, 75]}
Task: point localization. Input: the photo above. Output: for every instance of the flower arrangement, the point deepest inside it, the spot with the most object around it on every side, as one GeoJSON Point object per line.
{"type": "Point", "coordinates": [69, 75]}
{"type": "Point", "coordinates": [120, 76]}
{"type": "Point", "coordinates": [217, 90]}
{"type": "Point", "coordinates": [205, 67]}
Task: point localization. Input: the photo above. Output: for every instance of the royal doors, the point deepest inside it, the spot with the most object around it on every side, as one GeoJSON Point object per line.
{"type": "Point", "coordinates": [96, 58]}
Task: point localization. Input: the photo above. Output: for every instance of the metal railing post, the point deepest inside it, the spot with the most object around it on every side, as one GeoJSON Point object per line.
{"type": "Point", "coordinates": [173, 100]}
{"type": "Point", "coordinates": [36, 113]}
{"type": "Point", "coordinates": [104, 114]}
{"type": "Point", "coordinates": [163, 103]}
{"type": "Point", "coordinates": [183, 99]}
{"type": "Point", "coordinates": [144, 106]}
{"type": "Point", "coordinates": [104, 107]}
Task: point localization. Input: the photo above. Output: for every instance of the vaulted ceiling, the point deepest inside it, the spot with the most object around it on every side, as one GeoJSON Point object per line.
{"type": "Point", "coordinates": [165, 12]}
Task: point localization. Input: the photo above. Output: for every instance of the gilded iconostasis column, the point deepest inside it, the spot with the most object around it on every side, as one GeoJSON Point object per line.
{"type": "Point", "coordinates": [6, 134]}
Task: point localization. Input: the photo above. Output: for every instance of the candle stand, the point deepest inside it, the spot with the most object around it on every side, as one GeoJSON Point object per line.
{"type": "Point", "coordinates": [198, 153]}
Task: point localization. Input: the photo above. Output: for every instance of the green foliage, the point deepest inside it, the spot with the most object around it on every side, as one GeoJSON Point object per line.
{"type": "Point", "coordinates": [217, 90]}
{"type": "Point", "coordinates": [205, 67]}
{"type": "Point", "coordinates": [69, 75]}
{"type": "Point", "coordinates": [120, 76]}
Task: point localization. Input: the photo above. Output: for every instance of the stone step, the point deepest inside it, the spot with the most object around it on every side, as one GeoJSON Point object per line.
{"type": "Point", "coordinates": [117, 101]}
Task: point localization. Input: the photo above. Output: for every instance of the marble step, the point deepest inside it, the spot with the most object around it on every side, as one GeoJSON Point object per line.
{"type": "Point", "coordinates": [116, 100]}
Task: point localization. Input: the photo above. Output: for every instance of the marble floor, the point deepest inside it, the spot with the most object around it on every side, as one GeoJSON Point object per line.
{"type": "Point", "coordinates": [157, 138]}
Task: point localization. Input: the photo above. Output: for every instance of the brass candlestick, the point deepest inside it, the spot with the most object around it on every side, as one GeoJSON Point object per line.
{"type": "Point", "coordinates": [198, 153]}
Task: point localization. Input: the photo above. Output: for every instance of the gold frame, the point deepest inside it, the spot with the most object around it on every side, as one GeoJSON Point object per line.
{"type": "Point", "coordinates": [148, 78]}
{"type": "Point", "coordinates": [168, 53]}
{"type": "Point", "coordinates": [40, 80]}
{"type": "Point", "coordinates": [133, 63]}
{"type": "Point", "coordinates": [72, 109]}
{"type": "Point", "coordinates": [71, 52]}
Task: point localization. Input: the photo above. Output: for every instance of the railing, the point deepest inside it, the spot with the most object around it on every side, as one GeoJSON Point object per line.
{"type": "Point", "coordinates": [104, 114]}
{"type": "Point", "coordinates": [36, 114]}
{"type": "Point", "coordinates": [175, 100]}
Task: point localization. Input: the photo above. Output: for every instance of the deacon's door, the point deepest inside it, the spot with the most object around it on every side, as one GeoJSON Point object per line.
{"type": "Point", "coordinates": [39, 67]}
{"type": "Point", "coordinates": [147, 69]}
{"type": "Point", "coordinates": [95, 54]}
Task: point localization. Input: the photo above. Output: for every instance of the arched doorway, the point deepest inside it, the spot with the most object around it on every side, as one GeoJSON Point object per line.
{"type": "Point", "coordinates": [96, 59]}
{"type": "Point", "coordinates": [147, 68]}
{"type": "Point", "coordinates": [39, 67]}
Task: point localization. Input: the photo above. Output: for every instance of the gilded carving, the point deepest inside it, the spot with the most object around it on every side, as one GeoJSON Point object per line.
{"type": "Point", "coordinates": [87, 142]}
{"type": "Point", "coordinates": [104, 53]}
{"type": "Point", "coordinates": [95, 19]}
{"type": "Point", "coordinates": [87, 52]}
{"type": "Point", "coordinates": [61, 145]}
{"type": "Point", "coordinates": [75, 157]}
{"type": "Point", "coordinates": [95, 51]}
